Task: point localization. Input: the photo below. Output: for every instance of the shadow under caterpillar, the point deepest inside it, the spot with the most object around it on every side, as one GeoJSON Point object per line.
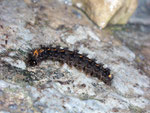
{"type": "Point", "coordinates": [72, 58]}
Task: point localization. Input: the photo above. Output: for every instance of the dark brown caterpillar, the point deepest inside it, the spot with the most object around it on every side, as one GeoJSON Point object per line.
{"type": "Point", "coordinates": [72, 58]}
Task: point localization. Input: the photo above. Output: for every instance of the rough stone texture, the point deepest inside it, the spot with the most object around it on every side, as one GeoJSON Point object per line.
{"type": "Point", "coordinates": [138, 40]}
{"type": "Point", "coordinates": [142, 14]}
{"type": "Point", "coordinates": [50, 87]}
{"type": "Point", "coordinates": [103, 12]}
{"type": "Point", "coordinates": [14, 98]}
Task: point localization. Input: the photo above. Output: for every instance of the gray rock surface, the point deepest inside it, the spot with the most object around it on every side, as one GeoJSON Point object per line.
{"type": "Point", "coordinates": [25, 25]}
{"type": "Point", "coordinates": [142, 14]}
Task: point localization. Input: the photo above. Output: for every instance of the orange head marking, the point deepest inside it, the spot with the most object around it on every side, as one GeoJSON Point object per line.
{"type": "Point", "coordinates": [41, 50]}
{"type": "Point", "coordinates": [36, 53]}
{"type": "Point", "coordinates": [80, 56]}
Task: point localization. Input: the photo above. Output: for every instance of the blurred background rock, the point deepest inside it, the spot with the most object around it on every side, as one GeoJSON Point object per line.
{"type": "Point", "coordinates": [103, 12]}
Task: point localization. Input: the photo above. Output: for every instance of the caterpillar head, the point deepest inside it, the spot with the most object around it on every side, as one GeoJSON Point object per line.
{"type": "Point", "coordinates": [31, 61]}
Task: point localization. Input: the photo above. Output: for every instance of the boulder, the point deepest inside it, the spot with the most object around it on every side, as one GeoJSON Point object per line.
{"type": "Point", "coordinates": [102, 12]}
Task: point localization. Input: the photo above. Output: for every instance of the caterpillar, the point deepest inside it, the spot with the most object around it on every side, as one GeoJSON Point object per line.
{"type": "Point", "coordinates": [71, 58]}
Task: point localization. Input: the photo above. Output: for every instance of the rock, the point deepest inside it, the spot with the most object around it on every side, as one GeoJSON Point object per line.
{"type": "Point", "coordinates": [103, 12]}
{"type": "Point", "coordinates": [60, 88]}
{"type": "Point", "coordinates": [16, 63]}
{"type": "Point", "coordinates": [14, 98]}
{"type": "Point", "coordinates": [142, 13]}
{"type": "Point", "coordinates": [123, 14]}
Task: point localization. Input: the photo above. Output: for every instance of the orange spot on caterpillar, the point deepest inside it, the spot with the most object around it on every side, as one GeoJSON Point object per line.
{"type": "Point", "coordinates": [53, 49]}
{"type": "Point", "coordinates": [97, 65]}
{"type": "Point", "coordinates": [110, 76]}
{"type": "Point", "coordinates": [62, 51]}
{"type": "Point", "coordinates": [41, 50]}
{"type": "Point", "coordinates": [36, 53]}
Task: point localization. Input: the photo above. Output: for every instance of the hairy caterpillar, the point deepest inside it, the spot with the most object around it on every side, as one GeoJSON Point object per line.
{"type": "Point", "coordinates": [72, 58]}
